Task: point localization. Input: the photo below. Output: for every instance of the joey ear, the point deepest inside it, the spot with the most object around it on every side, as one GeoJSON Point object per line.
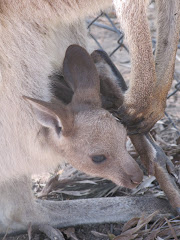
{"type": "Point", "coordinates": [81, 74]}
{"type": "Point", "coordinates": [51, 115]}
{"type": "Point", "coordinates": [112, 84]}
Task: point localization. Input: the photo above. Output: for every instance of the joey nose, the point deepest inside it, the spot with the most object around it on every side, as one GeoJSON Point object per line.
{"type": "Point", "coordinates": [133, 179]}
{"type": "Point", "coordinates": [137, 178]}
{"type": "Point", "coordinates": [133, 171]}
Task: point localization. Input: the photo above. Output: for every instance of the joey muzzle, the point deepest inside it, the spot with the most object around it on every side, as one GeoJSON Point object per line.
{"type": "Point", "coordinates": [132, 181]}
{"type": "Point", "coordinates": [132, 174]}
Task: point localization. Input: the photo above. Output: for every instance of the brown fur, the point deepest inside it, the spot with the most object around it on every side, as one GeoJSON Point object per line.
{"type": "Point", "coordinates": [141, 111]}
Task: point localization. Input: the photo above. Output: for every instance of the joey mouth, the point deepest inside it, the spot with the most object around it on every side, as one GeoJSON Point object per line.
{"type": "Point", "coordinates": [129, 180]}
{"type": "Point", "coordinates": [134, 181]}
{"type": "Point", "coordinates": [127, 183]}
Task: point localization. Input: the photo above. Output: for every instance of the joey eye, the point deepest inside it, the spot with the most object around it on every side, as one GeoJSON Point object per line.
{"type": "Point", "coordinates": [58, 130]}
{"type": "Point", "coordinates": [98, 158]}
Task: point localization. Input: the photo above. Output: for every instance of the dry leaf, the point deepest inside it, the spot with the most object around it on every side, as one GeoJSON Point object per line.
{"type": "Point", "coordinates": [130, 224]}
{"type": "Point", "coordinates": [172, 229]}
{"type": "Point", "coordinates": [126, 237]}
{"type": "Point", "coordinates": [97, 234]}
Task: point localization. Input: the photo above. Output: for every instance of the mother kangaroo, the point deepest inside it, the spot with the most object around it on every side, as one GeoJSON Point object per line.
{"type": "Point", "coordinates": [38, 132]}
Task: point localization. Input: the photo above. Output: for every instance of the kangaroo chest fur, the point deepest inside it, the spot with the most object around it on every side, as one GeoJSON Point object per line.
{"type": "Point", "coordinates": [30, 51]}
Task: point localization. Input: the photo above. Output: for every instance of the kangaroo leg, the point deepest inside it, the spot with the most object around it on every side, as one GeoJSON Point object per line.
{"type": "Point", "coordinates": [150, 153]}
{"type": "Point", "coordinates": [16, 203]}
{"type": "Point", "coordinates": [144, 102]}
{"type": "Point", "coordinates": [168, 28]}
{"type": "Point", "coordinates": [138, 100]}
{"type": "Point", "coordinates": [18, 209]}
{"type": "Point", "coordinates": [93, 211]}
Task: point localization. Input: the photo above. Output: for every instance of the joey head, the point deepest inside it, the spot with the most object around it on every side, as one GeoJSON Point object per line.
{"type": "Point", "coordinates": [82, 132]}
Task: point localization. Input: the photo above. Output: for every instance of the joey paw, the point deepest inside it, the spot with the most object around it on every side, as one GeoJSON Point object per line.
{"type": "Point", "coordinates": [137, 121]}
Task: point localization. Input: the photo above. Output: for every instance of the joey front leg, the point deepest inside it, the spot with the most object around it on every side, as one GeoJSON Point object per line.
{"type": "Point", "coordinates": [158, 165]}
{"type": "Point", "coordinates": [152, 156]}
{"type": "Point", "coordinates": [145, 100]}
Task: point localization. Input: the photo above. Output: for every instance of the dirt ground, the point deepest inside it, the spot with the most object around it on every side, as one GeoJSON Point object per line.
{"type": "Point", "coordinates": [166, 135]}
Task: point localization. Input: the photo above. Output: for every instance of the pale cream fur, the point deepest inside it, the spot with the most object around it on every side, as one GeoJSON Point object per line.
{"type": "Point", "coordinates": [34, 37]}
